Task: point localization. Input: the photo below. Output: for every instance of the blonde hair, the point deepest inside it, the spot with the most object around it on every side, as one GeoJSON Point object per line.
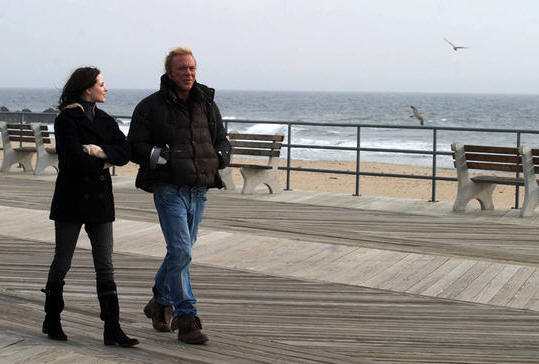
{"type": "Point", "coordinates": [177, 52]}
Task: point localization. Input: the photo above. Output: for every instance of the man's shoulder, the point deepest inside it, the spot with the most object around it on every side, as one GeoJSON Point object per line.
{"type": "Point", "coordinates": [149, 102]}
{"type": "Point", "coordinates": [150, 98]}
{"type": "Point", "coordinates": [206, 93]}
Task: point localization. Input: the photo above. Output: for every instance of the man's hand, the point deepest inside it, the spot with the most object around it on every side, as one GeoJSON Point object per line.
{"type": "Point", "coordinates": [94, 150]}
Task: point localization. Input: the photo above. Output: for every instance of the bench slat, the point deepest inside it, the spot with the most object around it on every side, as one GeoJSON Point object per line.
{"type": "Point", "coordinates": [272, 137]}
{"type": "Point", "coordinates": [19, 126]}
{"type": "Point", "coordinates": [26, 139]}
{"type": "Point", "coordinates": [25, 132]}
{"type": "Point", "coordinates": [490, 149]}
{"type": "Point", "coordinates": [499, 180]}
{"type": "Point", "coordinates": [25, 126]}
{"type": "Point", "coordinates": [18, 132]}
{"type": "Point", "coordinates": [262, 145]}
{"type": "Point", "coordinates": [257, 152]}
{"type": "Point", "coordinates": [256, 166]}
{"type": "Point", "coordinates": [493, 158]}
{"type": "Point", "coordinates": [494, 167]}
{"type": "Point", "coordinates": [26, 149]}
{"type": "Point", "coordinates": [22, 139]}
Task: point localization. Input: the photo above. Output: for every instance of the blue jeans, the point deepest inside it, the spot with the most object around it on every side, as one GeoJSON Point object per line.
{"type": "Point", "coordinates": [180, 211]}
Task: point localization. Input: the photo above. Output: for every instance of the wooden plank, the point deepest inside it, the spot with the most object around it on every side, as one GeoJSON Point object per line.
{"type": "Point", "coordinates": [418, 270]}
{"type": "Point", "coordinates": [19, 126]}
{"type": "Point", "coordinates": [511, 159]}
{"type": "Point", "coordinates": [22, 139]}
{"type": "Point", "coordinates": [271, 137]}
{"type": "Point", "coordinates": [508, 291]}
{"type": "Point", "coordinates": [496, 284]}
{"type": "Point", "coordinates": [255, 144]}
{"type": "Point", "coordinates": [384, 276]}
{"type": "Point", "coordinates": [256, 166]}
{"type": "Point", "coordinates": [499, 180]}
{"type": "Point", "coordinates": [257, 318]}
{"type": "Point", "coordinates": [374, 262]}
{"type": "Point", "coordinates": [19, 132]}
{"type": "Point", "coordinates": [490, 149]}
{"type": "Point", "coordinates": [25, 149]}
{"type": "Point", "coordinates": [446, 280]}
{"type": "Point", "coordinates": [257, 152]}
{"type": "Point", "coordinates": [494, 167]}
{"type": "Point", "coordinates": [526, 292]}
{"type": "Point", "coordinates": [462, 283]}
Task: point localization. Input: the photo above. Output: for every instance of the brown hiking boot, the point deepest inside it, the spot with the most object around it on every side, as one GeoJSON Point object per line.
{"type": "Point", "coordinates": [189, 327]}
{"type": "Point", "coordinates": [160, 315]}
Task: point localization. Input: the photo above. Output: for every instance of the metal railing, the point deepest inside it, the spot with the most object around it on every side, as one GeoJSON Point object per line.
{"type": "Point", "coordinates": [434, 152]}
{"type": "Point", "coordinates": [290, 145]}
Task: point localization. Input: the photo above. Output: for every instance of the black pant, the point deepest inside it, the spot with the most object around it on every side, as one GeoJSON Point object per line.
{"type": "Point", "coordinates": [67, 234]}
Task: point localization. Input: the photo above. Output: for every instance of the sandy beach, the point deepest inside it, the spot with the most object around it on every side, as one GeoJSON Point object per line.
{"type": "Point", "coordinates": [375, 186]}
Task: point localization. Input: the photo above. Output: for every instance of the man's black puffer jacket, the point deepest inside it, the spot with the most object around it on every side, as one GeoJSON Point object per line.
{"type": "Point", "coordinates": [193, 130]}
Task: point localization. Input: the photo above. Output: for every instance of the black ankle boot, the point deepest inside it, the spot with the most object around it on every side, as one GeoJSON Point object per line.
{"type": "Point", "coordinates": [114, 334]}
{"type": "Point", "coordinates": [110, 314]}
{"type": "Point", "coordinates": [54, 305]}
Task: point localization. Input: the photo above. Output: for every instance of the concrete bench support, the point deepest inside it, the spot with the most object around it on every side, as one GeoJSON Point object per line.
{"type": "Point", "coordinates": [14, 155]}
{"type": "Point", "coordinates": [45, 156]}
{"type": "Point", "coordinates": [469, 190]}
{"type": "Point", "coordinates": [531, 189]}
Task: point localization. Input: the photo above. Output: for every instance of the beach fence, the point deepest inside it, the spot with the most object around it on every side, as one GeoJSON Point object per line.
{"type": "Point", "coordinates": [431, 132]}
{"type": "Point", "coordinates": [435, 135]}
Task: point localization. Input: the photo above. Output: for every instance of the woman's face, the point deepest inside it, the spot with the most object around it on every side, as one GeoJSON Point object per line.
{"type": "Point", "coordinates": [97, 92]}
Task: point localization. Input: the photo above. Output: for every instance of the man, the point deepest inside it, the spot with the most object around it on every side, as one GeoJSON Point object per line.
{"type": "Point", "coordinates": [178, 139]}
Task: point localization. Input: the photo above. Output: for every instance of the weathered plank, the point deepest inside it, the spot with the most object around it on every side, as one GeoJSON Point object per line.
{"type": "Point", "coordinates": [258, 318]}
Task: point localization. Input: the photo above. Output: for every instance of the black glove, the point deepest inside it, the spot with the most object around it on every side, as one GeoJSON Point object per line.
{"type": "Point", "coordinates": [159, 155]}
{"type": "Point", "coordinates": [224, 158]}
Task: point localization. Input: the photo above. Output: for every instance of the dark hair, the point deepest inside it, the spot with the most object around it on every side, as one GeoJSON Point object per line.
{"type": "Point", "coordinates": [81, 79]}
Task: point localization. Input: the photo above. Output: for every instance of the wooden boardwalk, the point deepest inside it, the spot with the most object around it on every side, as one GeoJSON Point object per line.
{"type": "Point", "coordinates": [269, 276]}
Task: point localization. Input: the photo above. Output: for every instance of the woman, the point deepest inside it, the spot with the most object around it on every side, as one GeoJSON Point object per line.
{"type": "Point", "coordinates": [88, 142]}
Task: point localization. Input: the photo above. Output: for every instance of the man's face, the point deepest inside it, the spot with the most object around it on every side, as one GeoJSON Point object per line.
{"type": "Point", "coordinates": [182, 71]}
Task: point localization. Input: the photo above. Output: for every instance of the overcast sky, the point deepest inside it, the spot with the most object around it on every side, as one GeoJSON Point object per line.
{"type": "Point", "coordinates": [339, 45]}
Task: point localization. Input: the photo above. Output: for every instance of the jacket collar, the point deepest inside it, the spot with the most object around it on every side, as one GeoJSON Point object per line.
{"type": "Point", "coordinates": [76, 111]}
{"type": "Point", "coordinates": [199, 92]}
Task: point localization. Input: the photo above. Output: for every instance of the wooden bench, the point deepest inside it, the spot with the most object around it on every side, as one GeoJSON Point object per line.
{"type": "Point", "coordinates": [254, 145]}
{"type": "Point", "coordinates": [492, 158]}
{"type": "Point", "coordinates": [34, 133]}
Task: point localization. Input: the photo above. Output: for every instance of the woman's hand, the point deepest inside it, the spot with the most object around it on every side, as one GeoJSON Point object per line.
{"type": "Point", "coordinates": [94, 150]}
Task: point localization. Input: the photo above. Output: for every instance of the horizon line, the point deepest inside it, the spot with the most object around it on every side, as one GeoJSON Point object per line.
{"type": "Point", "coordinates": [313, 91]}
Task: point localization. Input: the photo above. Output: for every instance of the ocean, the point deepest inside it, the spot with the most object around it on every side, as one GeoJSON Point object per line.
{"type": "Point", "coordinates": [440, 110]}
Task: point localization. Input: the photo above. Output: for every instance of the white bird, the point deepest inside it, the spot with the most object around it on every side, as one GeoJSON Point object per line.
{"type": "Point", "coordinates": [455, 48]}
{"type": "Point", "coordinates": [417, 115]}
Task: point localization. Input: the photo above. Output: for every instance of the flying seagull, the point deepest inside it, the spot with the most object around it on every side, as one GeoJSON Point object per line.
{"type": "Point", "coordinates": [455, 48]}
{"type": "Point", "coordinates": [417, 115]}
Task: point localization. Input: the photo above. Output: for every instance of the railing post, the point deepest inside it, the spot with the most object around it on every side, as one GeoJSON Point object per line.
{"type": "Point", "coordinates": [434, 153]}
{"type": "Point", "coordinates": [517, 190]}
{"type": "Point", "coordinates": [358, 145]}
{"type": "Point", "coordinates": [288, 154]}
{"type": "Point", "coordinates": [22, 122]}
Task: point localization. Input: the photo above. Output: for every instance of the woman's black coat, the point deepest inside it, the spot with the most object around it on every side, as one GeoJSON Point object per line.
{"type": "Point", "coordinates": [83, 191]}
